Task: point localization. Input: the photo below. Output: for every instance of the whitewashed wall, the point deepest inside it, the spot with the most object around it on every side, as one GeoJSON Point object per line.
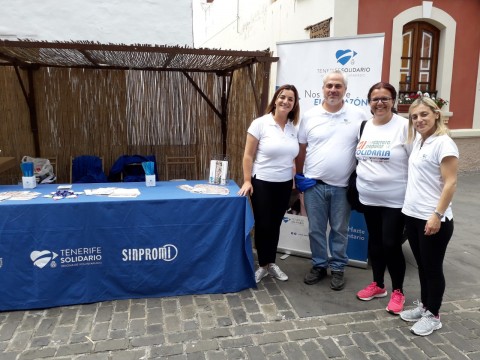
{"type": "Point", "coordinates": [161, 22]}
{"type": "Point", "coordinates": [260, 24]}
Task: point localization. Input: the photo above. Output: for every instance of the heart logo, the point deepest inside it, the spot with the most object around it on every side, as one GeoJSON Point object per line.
{"type": "Point", "coordinates": [42, 258]}
{"type": "Point", "coordinates": [344, 56]}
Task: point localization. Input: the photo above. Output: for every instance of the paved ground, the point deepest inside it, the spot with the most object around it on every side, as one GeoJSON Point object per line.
{"type": "Point", "coordinates": [287, 320]}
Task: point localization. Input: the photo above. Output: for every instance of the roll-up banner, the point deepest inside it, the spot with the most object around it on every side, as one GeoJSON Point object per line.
{"type": "Point", "coordinates": [304, 64]}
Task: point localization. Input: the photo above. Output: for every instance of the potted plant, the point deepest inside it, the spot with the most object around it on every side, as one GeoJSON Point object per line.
{"type": "Point", "coordinates": [440, 102]}
{"type": "Point", "coordinates": [405, 101]}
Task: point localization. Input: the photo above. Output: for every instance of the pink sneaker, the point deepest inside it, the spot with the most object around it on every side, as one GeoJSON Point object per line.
{"type": "Point", "coordinates": [395, 305]}
{"type": "Point", "coordinates": [371, 291]}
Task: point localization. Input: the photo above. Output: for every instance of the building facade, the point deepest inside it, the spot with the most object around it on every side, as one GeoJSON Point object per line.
{"type": "Point", "coordinates": [429, 46]}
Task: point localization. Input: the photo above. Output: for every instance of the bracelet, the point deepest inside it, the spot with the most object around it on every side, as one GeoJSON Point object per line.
{"type": "Point", "coordinates": [439, 215]}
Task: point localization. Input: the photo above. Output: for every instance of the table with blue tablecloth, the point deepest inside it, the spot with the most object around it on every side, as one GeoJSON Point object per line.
{"type": "Point", "coordinates": [165, 242]}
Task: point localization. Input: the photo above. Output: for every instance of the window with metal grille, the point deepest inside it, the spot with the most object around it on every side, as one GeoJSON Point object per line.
{"type": "Point", "coordinates": [418, 69]}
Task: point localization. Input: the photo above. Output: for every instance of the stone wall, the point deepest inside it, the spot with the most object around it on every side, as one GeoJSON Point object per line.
{"type": "Point", "coordinates": [469, 149]}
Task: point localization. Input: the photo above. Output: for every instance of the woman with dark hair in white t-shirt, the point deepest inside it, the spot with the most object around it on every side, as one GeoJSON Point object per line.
{"type": "Point", "coordinates": [381, 182]}
{"type": "Point", "coordinates": [268, 160]}
{"type": "Point", "coordinates": [432, 179]}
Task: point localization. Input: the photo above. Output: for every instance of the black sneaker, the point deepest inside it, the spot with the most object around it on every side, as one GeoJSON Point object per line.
{"type": "Point", "coordinates": [315, 275]}
{"type": "Point", "coordinates": [338, 281]}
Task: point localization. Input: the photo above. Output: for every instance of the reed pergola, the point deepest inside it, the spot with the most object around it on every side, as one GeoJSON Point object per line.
{"type": "Point", "coordinates": [66, 99]}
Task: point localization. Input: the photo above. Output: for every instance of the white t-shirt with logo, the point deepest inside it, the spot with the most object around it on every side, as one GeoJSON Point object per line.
{"type": "Point", "coordinates": [425, 183]}
{"type": "Point", "coordinates": [383, 163]}
{"type": "Point", "coordinates": [331, 139]}
{"type": "Point", "coordinates": [276, 150]}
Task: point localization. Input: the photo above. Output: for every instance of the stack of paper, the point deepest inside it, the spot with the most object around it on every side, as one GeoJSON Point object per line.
{"type": "Point", "coordinates": [18, 195]}
{"type": "Point", "coordinates": [206, 189]}
{"type": "Point", "coordinates": [124, 193]}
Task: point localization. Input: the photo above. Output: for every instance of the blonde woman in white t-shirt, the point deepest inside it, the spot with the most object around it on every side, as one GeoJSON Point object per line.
{"type": "Point", "coordinates": [268, 160]}
{"type": "Point", "coordinates": [432, 179]}
{"type": "Point", "coordinates": [381, 182]}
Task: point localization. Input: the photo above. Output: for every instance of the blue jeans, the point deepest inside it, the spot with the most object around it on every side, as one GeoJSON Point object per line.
{"type": "Point", "coordinates": [326, 204]}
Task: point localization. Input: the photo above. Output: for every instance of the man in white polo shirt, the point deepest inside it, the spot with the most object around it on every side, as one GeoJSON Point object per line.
{"type": "Point", "coordinates": [328, 138]}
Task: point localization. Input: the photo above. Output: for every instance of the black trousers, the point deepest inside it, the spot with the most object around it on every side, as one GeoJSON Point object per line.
{"type": "Point", "coordinates": [429, 252]}
{"type": "Point", "coordinates": [385, 237]}
{"type": "Point", "coordinates": [269, 202]}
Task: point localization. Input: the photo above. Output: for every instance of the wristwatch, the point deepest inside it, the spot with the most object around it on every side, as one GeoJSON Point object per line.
{"type": "Point", "coordinates": [439, 215]}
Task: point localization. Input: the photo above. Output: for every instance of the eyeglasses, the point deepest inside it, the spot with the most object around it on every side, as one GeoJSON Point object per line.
{"type": "Point", "coordinates": [383, 100]}
{"type": "Point", "coordinates": [336, 86]}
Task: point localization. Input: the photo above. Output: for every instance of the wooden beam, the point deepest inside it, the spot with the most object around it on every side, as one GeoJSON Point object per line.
{"type": "Point", "coordinates": [33, 112]}
{"type": "Point", "coordinates": [202, 94]}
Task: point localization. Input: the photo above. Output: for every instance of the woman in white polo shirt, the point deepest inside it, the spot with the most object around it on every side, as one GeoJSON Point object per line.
{"type": "Point", "coordinates": [268, 160]}
{"type": "Point", "coordinates": [432, 179]}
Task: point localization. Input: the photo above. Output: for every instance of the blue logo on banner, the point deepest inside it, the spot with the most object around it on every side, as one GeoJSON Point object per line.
{"type": "Point", "coordinates": [42, 258]}
{"type": "Point", "coordinates": [344, 56]}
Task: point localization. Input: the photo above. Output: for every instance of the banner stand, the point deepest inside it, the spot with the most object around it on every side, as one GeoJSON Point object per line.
{"type": "Point", "coordinates": [294, 238]}
{"type": "Point", "coordinates": [304, 63]}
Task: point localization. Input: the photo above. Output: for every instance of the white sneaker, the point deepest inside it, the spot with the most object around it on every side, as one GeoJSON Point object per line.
{"type": "Point", "coordinates": [260, 274]}
{"type": "Point", "coordinates": [277, 273]}
{"type": "Point", "coordinates": [426, 325]}
{"type": "Point", "coordinates": [413, 314]}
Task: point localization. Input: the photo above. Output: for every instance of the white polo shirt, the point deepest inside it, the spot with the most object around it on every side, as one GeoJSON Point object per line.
{"type": "Point", "coordinates": [383, 163]}
{"type": "Point", "coordinates": [425, 183]}
{"type": "Point", "coordinates": [331, 140]}
{"type": "Point", "coordinates": [276, 150]}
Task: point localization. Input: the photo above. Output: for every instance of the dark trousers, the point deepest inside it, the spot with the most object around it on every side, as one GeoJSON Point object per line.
{"type": "Point", "coordinates": [269, 202]}
{"type": "Point", "coordinates": [429, 252]}
{"type": "Point", "coordinates": [385, 237]}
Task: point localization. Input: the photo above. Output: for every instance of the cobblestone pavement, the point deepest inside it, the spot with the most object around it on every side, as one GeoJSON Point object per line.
{"type": "Point", "coordinates": [252, 324]}
{"type": "Point", "coordinates": [274, 321]}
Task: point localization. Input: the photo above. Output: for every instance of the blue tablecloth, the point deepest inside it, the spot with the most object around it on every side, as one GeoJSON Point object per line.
{"type": "Point", "coordinates": [165, 242]}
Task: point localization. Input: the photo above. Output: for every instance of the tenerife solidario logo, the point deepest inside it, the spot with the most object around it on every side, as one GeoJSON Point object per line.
{"type": "Point", "coordinates": [42, 258]}
{"type": "Point", "coordinates": [344, 56]}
